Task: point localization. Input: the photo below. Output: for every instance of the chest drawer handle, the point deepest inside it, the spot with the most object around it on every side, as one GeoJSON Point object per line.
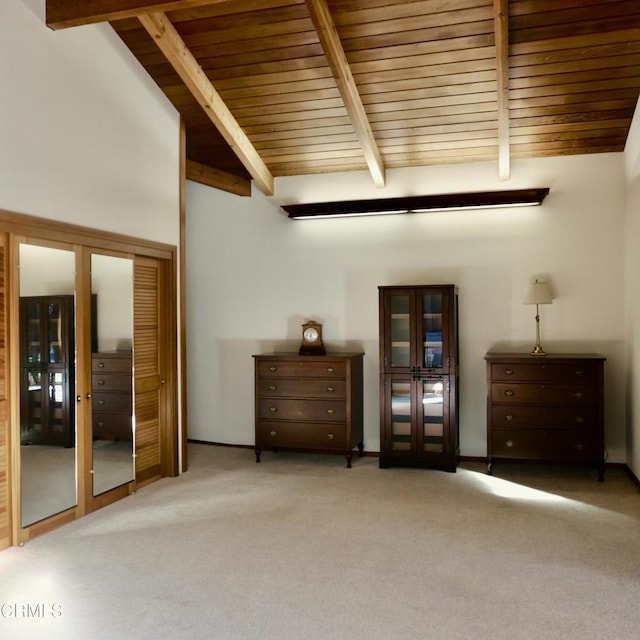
{"type": "Point", "coordinates": [273, 433]}
{"type": "Point", "coordinates": [330, 369]}
{"type": "Point", "coordinates": [100, 381]}
{"type": "Point", "coordinates": [508, 372]}
{"type": "Point", "coordinates": [579, 419]}
{"type": "Point", "coordinates": [510, 443]}
{"type": "Point", "coordinates": [509, 417]}
{"type": "Point", "coordinates": [580, 446]}
{"type": "Point", "coordinates": [331, 411]}
{"type": "Point", "coordinates": [272, 387]}
{"type": "Point", "coordinates": [101, 365]}
{"type": "Point", "coordinates": [579, 372]}
{"type": "Point", "coordinates": [578, 394]}
{"type": "Point", "coordinates": [101, 401]}
{"type": "Point", "coordinates": [508, 392]}
{"type": "Point", "coordinates": [330, 436]}
{"type": "Point", "coordinates": [272, 369]}
{"type": "Point", "coordinates": [330, 389]}
{"type": "Point", "coordinates": [273, 409]}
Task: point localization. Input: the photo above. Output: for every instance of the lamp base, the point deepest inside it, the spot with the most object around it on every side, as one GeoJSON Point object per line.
{"type": "Point", "coordinates": [538, 351]}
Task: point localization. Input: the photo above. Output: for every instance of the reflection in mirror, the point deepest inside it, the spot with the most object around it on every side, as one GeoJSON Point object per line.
{"type": "Point", "coordinates": [111, 371]}
{"type": "Point", "coordinates": [47, 382]}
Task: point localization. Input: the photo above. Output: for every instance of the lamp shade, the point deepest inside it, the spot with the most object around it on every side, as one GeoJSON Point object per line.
{"type": "Point", "coordinates": [538, 293]}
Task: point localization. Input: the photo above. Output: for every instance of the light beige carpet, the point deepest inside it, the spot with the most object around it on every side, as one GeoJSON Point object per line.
{"type": "Point", "coordinates": [299, 547]}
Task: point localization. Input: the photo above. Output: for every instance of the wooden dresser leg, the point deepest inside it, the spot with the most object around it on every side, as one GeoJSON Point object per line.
{"type": "Point", "coordinates": [258, 452]}
{"type": "Point", "coordinates": [348, 457]}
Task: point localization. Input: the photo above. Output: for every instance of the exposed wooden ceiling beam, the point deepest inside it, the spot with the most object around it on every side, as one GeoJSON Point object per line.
{"type": "Point", "coordinates": [66, 13]}
{"type": "Point", "coordinates": [222, 180]}
{"type": "Point", "coordinates": [501, 20]}
{"type": "Point", "coordinates": [330, 40]}
{"type": "Point", "coordinates": [187, 67]}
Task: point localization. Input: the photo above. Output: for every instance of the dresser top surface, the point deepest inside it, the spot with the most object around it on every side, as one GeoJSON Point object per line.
{"type": "Point", "coordinates": [550, 357]}
{"type": "Point", "coordinates": [295, 356]}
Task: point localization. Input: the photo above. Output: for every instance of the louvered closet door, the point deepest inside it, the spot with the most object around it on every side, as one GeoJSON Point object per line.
{"type": "Point", "coordinates": [5, 524]}
{"type": "Point", "coordinates": [148, 369]}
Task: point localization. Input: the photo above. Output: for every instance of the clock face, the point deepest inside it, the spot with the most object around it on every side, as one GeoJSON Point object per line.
{"type": "Point", "coordinates": [311, 334]}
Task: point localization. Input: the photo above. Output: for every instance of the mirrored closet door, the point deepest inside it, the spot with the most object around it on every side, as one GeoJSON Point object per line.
{"type": "Point", "coordinates": [112, 398]}
{"type": "Point", "coordinates": [48, 439]}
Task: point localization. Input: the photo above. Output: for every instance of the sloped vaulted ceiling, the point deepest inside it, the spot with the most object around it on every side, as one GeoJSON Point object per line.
{"type": "Point", "coordinates": [272, 88]}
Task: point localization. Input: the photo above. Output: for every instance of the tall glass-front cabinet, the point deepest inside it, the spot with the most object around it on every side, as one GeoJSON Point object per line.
{"type": "Point", "coordinates": [47, 379]}
{"type": "Point", "coordinates": [419, 377]}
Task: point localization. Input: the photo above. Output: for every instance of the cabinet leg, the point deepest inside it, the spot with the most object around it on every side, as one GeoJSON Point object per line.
{"type": "Point", "coordinates": [258, 452]}
{"type": "Point", "coordinates": [360, 449]}
{"type": "Point", "coordinates": [348, 457]}
{"type": "Point", "coordinates": [600, 472]}
{"type": "Point", "coordinates": [489, 467]}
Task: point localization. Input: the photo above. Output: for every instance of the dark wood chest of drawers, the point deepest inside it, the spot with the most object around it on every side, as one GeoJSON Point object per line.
{"type": "Point", "coordinates": [112, 395]}
{"type": "Point", "coordinates": [309, 403]}
{"type": "Point", "coordinates": [545, 408]}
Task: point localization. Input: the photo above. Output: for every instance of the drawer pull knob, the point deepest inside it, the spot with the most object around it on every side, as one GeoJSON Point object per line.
{"type": "Point", "coordinates": [273, 409]}
{"type": "Point", "coordinates": [508, 372]}
{"type": "Point", "coordinates": [580, 446]}
{"type": "Point", "coordinates": [508, 392]}
{"type": "Point", "coordinates": [578, 394]}
{"type": "Point", "coordinates": [272, 369]}
{"type": "Point", "coordinates": [273, 433]}
{"type": "Point", "coordinates": [330, 369]}
{"type": "Point", "coordinates": [330, 389]}
{"type": "Point", "coordinates": [100, 381]}
{"type": "Point", "coordinates": [509, 417]}
{"type": "Point", "coordinates": [101, 365]}
{"type": "Point", "coordinates": [331, 411]}
{"type": "Point", "coordinates": [509, 443]}
{"type": "Point", "coordinates": [579, 372]}
{"type": "Point", "coordinates": [330, 436]}
{"type": "Point", "coordinates": [272, 387]}
{"type": "Point", "coordinates": [579, 419]}
{"type": "Point", "coordinates": [101, 401]}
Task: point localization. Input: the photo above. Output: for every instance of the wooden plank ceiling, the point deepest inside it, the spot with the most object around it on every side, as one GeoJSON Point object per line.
{"type": "Point", "coordinates": [272, 88]}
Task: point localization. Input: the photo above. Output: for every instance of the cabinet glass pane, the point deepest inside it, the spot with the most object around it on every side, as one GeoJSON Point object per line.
{"type": "Point", "coordinates": [400, 330]}
{"type": "Point", "coordinates": [55, 391]}
{"type": "Point", "coordinates": [34, 424]}
{"type": "Point", "coordinates": [33, 333]}
{"type": "Point", "coordinates": [433, 416]}
{"type": "Point", "coordinates": [432, 329]}
{"type": "Point", "coordinates": [54, 333]}
{"type": "Point", "coordinates": [400, 415]}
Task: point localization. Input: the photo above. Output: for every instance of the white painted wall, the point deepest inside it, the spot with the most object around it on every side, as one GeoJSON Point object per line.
{"type": "Point", "coordinates": [255, 276]}
{"type": "Point", "coordinates": [85, 136]}
{"type": "Point", "coordinates": [632, 273]}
